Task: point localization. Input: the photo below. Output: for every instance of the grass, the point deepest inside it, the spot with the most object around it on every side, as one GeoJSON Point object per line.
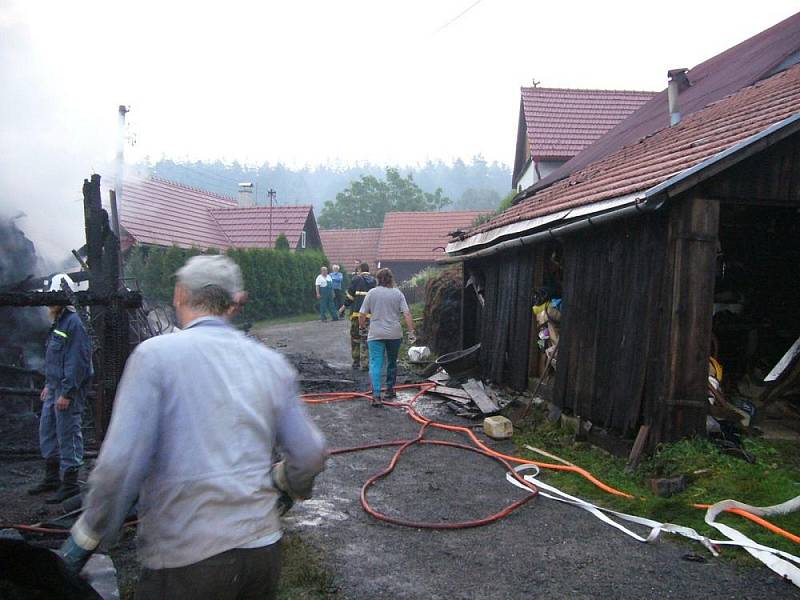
{"type": "Point", "coordinates": [302, 575]}
{"type": "Point", "coordinates": [713, 476]}
{"type": "Point", "coordinates": [286, 320]}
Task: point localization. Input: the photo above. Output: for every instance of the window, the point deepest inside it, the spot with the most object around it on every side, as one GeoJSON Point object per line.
{"type": "Point", "coordinates": [302, 239]}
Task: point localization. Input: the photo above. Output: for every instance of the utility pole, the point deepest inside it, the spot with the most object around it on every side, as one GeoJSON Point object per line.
{"type": "Point", "coordinates": [271, 195]}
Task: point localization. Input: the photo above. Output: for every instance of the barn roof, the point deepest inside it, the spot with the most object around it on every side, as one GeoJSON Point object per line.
{"type": "Point", "coordinates": [735, 68]}
{"type": "Point", "coordinates": [561, 122]}
{"type": "Point", "coordinates": [652, 164]}
{"type": "Point", "coordinates": [160, 212]}
{"type": "Point", "coordinates": [421, 236]}
{"type": "Point", "coordinates": [345, 247]}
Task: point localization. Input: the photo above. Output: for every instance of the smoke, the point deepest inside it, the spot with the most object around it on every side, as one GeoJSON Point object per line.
{"type": "Point", "coordinates": [23, 329]}
{"type": "Point", "coordinates": [49, 144]}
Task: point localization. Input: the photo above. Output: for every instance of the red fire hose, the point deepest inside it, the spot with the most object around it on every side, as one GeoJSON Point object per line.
{"type": "Point", "coordinates": [481, 448]}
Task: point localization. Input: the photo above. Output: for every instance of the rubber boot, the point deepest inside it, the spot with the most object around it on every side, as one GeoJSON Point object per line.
{"type": "Point", "coordinates": [49, 482]}
{"type": "Point", "coordinates": [68, 488]}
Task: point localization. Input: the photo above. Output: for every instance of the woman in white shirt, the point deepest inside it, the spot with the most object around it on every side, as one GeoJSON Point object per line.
{"type": "Point", "coordinates": [385, 304]}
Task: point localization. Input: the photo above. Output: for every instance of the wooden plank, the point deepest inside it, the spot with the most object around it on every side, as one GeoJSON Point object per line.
{"type": "Point", "coordinates": [479, 397]}
{"type": "Point", "coordinates": [439, 378]}
{"type": "Point", "coordinates": [638, 447]}
{"type": "Point", "coordinates": [450, 391]}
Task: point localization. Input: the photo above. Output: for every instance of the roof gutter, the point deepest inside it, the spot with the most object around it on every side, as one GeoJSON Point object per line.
{"type": "Point", "coordinates": [653, 198]}
{"type": "Point", "coordinates": [640, 205]}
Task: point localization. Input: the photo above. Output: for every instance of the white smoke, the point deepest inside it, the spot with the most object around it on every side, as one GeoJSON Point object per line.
{"type": "Point", "coordinates": [48, 146]}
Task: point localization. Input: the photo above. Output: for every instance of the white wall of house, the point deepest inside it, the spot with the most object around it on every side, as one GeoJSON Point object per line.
{"type": "Point", "coordinates": [530, 175]}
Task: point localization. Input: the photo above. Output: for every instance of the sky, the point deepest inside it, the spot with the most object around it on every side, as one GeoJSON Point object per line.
{"type": "Point", "coordinates": [309, 82]}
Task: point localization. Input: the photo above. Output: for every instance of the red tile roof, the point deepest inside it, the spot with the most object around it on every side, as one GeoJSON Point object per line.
{"type": "Point", "coordinates": [562, 122]}
{"type": "Point", "coordinates": [420, 236]}
{"type": "Point", "coordinates": [668, 152]}
{"type": "Point", "coordinates": [154, 211]}
{"type": "Point", "coordinates": [250, 227]}
{"type": "Point", "coordinates": [345, 247]}
{"type": "Point", "coordinates": [738, 67]}
{"type": "Point", "coordinates": [163, 213]}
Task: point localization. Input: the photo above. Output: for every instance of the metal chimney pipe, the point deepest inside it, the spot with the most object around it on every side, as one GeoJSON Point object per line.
{"type": "Point", "coordinates": [677, 82]}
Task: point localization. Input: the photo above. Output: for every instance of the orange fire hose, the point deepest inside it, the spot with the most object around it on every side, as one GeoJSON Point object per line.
{"type": "Point", "coordinates": [324, 398]}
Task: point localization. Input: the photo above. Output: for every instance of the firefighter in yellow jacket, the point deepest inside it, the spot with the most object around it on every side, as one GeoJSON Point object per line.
{"type": "Point", "coordinates": [361, 283]}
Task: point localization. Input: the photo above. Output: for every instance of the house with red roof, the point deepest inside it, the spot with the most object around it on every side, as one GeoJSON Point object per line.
{"type": "Point", "coordinates": [662, 244]}
{"type": "Point", "coordinates": [349, 247]}
{"type": "Point", "coordinates": [556, 124]}
{"type": "Point", "coordinates": [412, 241]}
{"type": "Point", "coordinates": [162, 213]}
{"type": "Point", "coordinates": [407, 243]}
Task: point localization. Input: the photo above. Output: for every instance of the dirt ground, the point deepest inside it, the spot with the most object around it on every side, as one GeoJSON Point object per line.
{"type": "Point", "coordinates": [543, 550]}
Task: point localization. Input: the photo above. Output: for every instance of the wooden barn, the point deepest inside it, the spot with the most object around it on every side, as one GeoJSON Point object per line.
{"type": "Point", "coordinates": [643, 246]}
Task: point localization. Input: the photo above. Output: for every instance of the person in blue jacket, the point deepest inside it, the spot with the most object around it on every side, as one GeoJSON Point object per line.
{"type": "Point", "coordinates": [68, 372]}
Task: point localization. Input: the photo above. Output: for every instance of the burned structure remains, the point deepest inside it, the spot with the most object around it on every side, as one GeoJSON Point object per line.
{"type": "Point", "coordinates": [106, 304]}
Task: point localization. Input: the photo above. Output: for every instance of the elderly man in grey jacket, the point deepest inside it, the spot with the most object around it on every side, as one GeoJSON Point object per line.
{"type": "Point", "coordinates": [196, 419]}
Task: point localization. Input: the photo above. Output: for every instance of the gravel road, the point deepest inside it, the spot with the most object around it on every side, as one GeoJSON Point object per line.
{"type": "Point", "coordinates": [544, 550]}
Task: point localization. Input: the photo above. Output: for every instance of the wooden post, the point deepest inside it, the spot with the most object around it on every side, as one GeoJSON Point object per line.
{"type": "Point", "coordinates": [693, 234]}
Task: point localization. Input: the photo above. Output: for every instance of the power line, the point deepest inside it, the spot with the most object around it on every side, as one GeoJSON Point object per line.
{"type": "Point", "coordinates": [458, 16]}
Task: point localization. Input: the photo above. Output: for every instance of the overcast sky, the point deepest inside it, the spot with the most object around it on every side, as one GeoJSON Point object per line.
{"type": "Point", "coordinates": [306, 82]}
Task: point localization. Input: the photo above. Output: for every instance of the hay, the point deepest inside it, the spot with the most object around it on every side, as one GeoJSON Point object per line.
{"type": "Point", "coordinates": [441, 325]}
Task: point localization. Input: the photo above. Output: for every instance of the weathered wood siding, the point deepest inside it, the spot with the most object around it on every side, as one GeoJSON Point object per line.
{"type": "Point", "coordinates": [504, 320]}
{"type": "Point", "coordinates": [609, 367]}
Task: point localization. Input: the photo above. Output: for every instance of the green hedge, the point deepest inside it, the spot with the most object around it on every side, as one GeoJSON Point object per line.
{"type": "Point", "coordinates": [280, 283]}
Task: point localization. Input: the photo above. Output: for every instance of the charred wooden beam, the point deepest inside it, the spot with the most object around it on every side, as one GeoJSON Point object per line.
{"type": "Point", "coordinates": [125, 298]}
{"type": "Point", "coordinates": [15, 391]}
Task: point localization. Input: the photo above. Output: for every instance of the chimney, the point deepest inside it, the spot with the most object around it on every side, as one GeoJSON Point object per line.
{"type": "Point", "coordinates": [246, 198]}
{"type": "Point", "coordinates": [678, 82]}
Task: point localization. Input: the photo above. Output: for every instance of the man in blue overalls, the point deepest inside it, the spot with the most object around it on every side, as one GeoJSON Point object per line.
{"type": "Point", "coordinates": [68, 370]}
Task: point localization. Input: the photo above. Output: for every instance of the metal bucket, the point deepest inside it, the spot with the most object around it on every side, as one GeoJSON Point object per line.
{"type": "Point", "coordinates": [460, 362]}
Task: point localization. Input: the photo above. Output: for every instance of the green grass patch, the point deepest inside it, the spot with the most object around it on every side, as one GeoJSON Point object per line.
{"type": "Point", "coordinates": [302, 318]}
{"type": "Point", "coordinates": [303, 577]}
{"type": "Point", "coordinates": [713, 476]}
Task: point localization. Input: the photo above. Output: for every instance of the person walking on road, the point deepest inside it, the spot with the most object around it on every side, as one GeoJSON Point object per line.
{"type": "Point", "coordinates": [324, 288]}
{"type": "Point", "coordinates": [68, 372]}
{"type": "Point", "coordinates": [338, 293]}
{"type": "Point", "coordinates": [385, 303]}
{"type": "Point", "coordinates": [196, 419]}
{"type": "Point", "coordinates": [361, 283]}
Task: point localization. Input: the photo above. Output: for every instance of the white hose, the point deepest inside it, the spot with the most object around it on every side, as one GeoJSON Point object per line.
{"type": "Point", "coordinates": [771, 557]}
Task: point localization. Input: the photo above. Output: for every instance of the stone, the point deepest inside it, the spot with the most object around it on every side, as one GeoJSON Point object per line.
{"type": "Point", "coordinates": [666, 487]}
{"type": "Point", "coordinates": [498, 428]}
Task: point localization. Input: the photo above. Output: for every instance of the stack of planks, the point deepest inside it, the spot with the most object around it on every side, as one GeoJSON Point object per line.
{"type": "Point", "coordinates": [472, 399]}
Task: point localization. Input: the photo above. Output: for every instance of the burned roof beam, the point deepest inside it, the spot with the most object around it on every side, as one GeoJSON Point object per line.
{"type": "Point", "coordinates": [127, 298]}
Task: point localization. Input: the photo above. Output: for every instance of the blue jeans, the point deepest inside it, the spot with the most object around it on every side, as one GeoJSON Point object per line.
{"type": "Point", "coordinates": [377, 350]}
{"type": "Point", "coordinates": [60, 436]}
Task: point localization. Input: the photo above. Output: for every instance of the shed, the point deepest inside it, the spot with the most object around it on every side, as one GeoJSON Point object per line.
{"type": "Point", "coordinates": [635, 243]}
